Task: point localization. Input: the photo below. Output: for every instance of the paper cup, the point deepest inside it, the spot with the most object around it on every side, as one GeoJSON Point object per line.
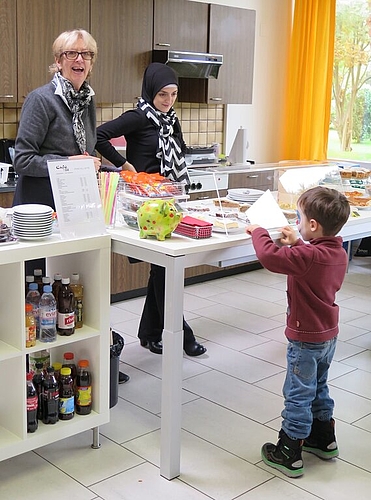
{"type": "Point", "coordinates": [4, 171]}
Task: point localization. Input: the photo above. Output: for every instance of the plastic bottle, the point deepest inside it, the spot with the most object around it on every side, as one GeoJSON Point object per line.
{"type": "Point", "coordinates": [66, 395]}
{"type": "Point", "coordinates": [48, 316]}
{"type": "Point", "coordinates": [66, 310]}
{"type": "Point", "coordinates": [57, 370]}
{"type": "Point", "coordinates": [33, 298]}
{"type": "Point", "coordinates": [83, 388]}
{"type": "Point", "coordinates": [38, 277]}
{"type": "Point", "coordinates": [46, 280]}
{"type": "Point", "coordinates": [32, 423]}
{"type": "Point", "coordinates": [29, 279]}
{"type": "Point", "coordinates": [78, 292]}
{"type": "Point", "coordinates": [57, 283]}
{"type": "Point", "coordinates": [42, 356]}
{"type": "Point", "coordinates": [38, 381]}
{"type": "Point", "coordinates": [69, 362]}
{"type": "Point", "coordinates": [50, 398]}
{"type": "Point", "coordinates": [30, 326]}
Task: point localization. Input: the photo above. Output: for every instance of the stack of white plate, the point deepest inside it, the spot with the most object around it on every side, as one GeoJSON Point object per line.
{"type": "Point", "coordinates": [245, 195]}
{"type": "Point", "coordinates": [32, 221]}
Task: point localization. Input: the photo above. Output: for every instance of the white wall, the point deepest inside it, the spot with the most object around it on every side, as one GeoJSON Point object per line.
{"type": "Point", "coordinates": [264, 116]}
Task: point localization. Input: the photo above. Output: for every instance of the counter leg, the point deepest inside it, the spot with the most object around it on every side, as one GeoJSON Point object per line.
{"type": "Point", "coordinates": [172, 369]}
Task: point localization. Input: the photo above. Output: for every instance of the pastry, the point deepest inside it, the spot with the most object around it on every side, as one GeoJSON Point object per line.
{"type": "Point", "coordinates": [225, 224]}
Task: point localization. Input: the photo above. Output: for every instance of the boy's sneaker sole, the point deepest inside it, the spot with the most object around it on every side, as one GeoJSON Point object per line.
{"type": "Point", "coordinates": [324, 455]}
{"type": "Point", "coordinates": [294, 470]}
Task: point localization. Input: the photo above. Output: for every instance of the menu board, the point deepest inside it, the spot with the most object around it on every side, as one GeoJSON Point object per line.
{"type": "Point", "coordinates": [76, 196]}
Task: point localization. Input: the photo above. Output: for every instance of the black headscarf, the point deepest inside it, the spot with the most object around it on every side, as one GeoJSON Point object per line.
{"type": "Point", "coordinates": [156, 77]}
{"type": "Point", "coordinates": [172, 162]}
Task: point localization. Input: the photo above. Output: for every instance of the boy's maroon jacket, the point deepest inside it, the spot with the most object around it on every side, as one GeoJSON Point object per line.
{"type": "Point", "coordinates": [315, 272]}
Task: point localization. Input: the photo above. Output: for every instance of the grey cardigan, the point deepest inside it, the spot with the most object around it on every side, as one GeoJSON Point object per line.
{"type": "Point", "coordinates": [45, 133]}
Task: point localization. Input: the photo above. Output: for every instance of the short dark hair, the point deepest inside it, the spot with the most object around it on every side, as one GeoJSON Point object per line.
{"type": "Point", "coordinates": [327, 206]}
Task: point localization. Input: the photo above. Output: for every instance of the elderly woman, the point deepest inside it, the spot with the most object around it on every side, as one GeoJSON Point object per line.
{"type": "Point", "coordinates": [58, 120]}
{"type": "Point", "coordinates": [154, 143]}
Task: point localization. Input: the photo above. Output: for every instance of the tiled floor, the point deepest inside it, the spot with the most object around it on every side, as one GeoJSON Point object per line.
{"type": "Point", "coordinates": [231, 406]}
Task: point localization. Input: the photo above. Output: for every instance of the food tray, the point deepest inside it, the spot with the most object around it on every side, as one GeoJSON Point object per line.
{"type": "Point", "coordinates": [155, 190]}
{"type": "Point", "coordinates": [194, 228]}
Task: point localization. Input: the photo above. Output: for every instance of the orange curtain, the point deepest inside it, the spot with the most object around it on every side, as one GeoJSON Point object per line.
{"type": "Point", "coordinates": [308, 104]}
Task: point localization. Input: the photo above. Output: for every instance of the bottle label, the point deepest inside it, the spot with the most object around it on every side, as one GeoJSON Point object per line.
{"type": "Point", "coordinates": [47, 317]}
{"type": "Point", "coordinates": [66, 405]}
{"type": "Point", "coordinates": [30, 336]}
{"type": "Point", "coordinates": [66, 320]}
{"type": "Point", "coordinates": [83, 396]}
{"type": "Point", "coordinates": [32, 403]}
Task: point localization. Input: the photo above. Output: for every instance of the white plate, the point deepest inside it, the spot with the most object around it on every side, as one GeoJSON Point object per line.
{"type": "Point", "coordinates": [32, 208]}
{"type": "Point", "coordinates": [33, 238]}
{"type": "Point", "coordinates": [10, 242]}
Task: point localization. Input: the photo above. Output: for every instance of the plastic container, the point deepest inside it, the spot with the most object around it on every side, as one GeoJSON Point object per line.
{"type": "Point", "coordinates": [48, 316]}
{"type": "Point", "coordinates": [66, 395]}
{"type": "Point", "coordinates": [50, 398]}
{"type": "Point", "coordinates": [78, 292]}
{"type": "Point", "coordinates": [33, 297]}
{"type": "Point", "coordinates": [66, 310]}
{"type": "Point", "coordinates": [83, 388]}
{"type": "Point", "coordinates": [32, 423]}
{"type": "Point", "coordinates": [30, 326]}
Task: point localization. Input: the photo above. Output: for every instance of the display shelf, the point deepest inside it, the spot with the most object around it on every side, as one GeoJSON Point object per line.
{"type": "Point", "coordinates": [91, 258]}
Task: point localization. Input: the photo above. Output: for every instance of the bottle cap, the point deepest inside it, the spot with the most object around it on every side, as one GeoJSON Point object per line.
{"type": "Point", "coordinates": [65, 281]}
{"type": "Point", "coordinates": [39, 365]}
{"type": "Point", "coordinates": [47, 288]}
{"type": "Point", "coordinates": [75, 278]}
{"type": "Point", "coordinates": [65, 370]}
{"type": "Point", "coordinates": [46, 280]}
{"type": "Point", "coordinates": [29, 278]}
{"type": "Point", "coordinates": [83, 363]}
{"type": "Point", "coordinates": [57, 366]}
{"type": "Point", "coordinates": [28, 308]}
{"type": "Point", "coordinates": [37, 272]}
{"type": "Point", "coordinates": [68, 355]}
{"type": "Point", "coordinates": [57, 277]}
{"type": "Point", "coordinates": [29, 375]}
{"type": "Point", "coordinates": [50, 369]}
{"type": "Point", "coordinates": [32, 286]}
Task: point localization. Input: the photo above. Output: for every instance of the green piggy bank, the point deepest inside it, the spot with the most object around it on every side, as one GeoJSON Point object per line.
{"type": "Point", "coordinates": [158, 218]}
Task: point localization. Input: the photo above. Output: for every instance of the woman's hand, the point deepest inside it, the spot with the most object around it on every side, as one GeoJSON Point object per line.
{"type": "Point", "coordinates": [289, 236]}
{"type": "Point", "coordinates": [86, 156]}
{"type": "Point", "coordinates": [128, 166]}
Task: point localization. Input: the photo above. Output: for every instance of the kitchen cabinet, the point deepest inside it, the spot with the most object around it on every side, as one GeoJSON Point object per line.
{"type": "Point", "coordinates": [91, 258]}
{"type": "Point", "coordinates": [39, 22]}
{"type": "Point", "coordinates": [8, 54]}
{"type": "Point", "coordinates": [123, 31]}
{"type": "Point", "coordinates": [232, 33]}
{"type": "Point", "coordinates": [180, 25]}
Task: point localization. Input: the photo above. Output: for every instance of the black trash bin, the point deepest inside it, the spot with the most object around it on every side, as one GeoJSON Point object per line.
{"type": "Point", "coordinates": [115, 351]}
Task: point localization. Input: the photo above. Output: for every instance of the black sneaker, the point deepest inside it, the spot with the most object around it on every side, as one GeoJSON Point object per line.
{"type": "Point", "coordinates": [123, 378]}
{"type": "Point", "coordinates": [285, 456]}
{"type": "Point", "coordinates": [322, 440]}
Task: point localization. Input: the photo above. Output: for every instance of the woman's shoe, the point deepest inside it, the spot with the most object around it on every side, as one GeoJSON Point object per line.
{"type": "Point", "coordinates": [155, 347]}
{"type": "Point", "coordinates": [194, 349]}
{"type": "Point", "coordinates": [123, 378]}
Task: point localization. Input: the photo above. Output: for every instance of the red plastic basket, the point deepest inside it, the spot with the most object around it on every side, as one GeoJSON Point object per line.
{"type": "Point", "coordinates": [194, 228]}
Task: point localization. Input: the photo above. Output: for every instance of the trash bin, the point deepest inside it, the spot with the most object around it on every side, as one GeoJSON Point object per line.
{"type": "Point", "coordinates": [115, 351]}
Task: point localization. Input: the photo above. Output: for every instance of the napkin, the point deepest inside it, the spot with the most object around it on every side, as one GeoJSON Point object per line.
{"type": "Point", "coordinates": [266, 212]}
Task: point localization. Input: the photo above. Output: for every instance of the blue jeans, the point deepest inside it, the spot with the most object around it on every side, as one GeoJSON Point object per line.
{"type": "Point", "coordinates": [305, 389]}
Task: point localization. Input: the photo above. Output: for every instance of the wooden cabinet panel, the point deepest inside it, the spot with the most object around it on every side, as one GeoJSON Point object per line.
{"type": "Point", "coordinates": [232, 33]}
{"type": "Point", "coordinates": [6, 199]}
{"type": "Point", "coordinates": [254, 180]}
{"type": "Point", "coordinates": [39, 22]}
{"type": "Point", "coordinates": [123, 31]}
{"type": "Point", "coordinates": [8, 55]}
{"type": "Point", "coordinates": [180, 25]}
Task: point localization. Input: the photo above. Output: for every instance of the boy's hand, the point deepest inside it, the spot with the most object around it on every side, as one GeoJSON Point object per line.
{"type": "Point", "coordinates": [251, 228]}
{"type": "Point", "coordinates": [289, 236]}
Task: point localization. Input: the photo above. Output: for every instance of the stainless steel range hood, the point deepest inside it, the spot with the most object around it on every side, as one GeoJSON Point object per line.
{"type": "Point", "coordinates": [190, 64]}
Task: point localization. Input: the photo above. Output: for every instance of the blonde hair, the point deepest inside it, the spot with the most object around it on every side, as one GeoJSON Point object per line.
{"type": "Point", "coordinates": [67, 39]}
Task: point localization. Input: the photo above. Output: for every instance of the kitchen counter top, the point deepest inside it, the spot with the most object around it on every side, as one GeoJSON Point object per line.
{"type": "Point", "coordinates": [7, 188]}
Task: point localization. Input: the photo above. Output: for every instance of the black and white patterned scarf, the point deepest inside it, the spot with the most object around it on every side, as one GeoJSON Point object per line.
{"type": "Point", "coordinates": [169, 152]}
{"type": "Point", "coordinates": [77, 101]}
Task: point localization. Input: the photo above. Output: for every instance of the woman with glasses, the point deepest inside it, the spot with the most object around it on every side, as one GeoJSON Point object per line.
{"type": "Point", "coordinates": [58, 120]}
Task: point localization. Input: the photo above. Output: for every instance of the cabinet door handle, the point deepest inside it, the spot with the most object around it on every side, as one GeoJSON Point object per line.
{"type": "Point", "coordinates": [252, 176]}
{"type": "Point", "coordinates": [215, 98]}
{"type": "Point", "coordinates": [163, 44]}
{"type": "Point", "coordinates": [6, 96]}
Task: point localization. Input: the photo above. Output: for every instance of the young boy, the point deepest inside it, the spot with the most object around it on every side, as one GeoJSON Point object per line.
{"type": "Point", "coordinates": [315, 272]}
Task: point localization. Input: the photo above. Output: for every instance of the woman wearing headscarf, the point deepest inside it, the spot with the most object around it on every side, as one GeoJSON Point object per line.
{"type": "Point", "coordinates": [154, 144]}
{"type": "Point", "coordinates": [58, 120]}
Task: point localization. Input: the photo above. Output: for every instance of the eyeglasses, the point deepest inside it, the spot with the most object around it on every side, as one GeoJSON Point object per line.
{"type": "Point", "coordinates": [72, 55]}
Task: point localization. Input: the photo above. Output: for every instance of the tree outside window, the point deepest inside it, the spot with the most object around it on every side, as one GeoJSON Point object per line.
{"type": "Point", "coordinates": [350, 128]}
